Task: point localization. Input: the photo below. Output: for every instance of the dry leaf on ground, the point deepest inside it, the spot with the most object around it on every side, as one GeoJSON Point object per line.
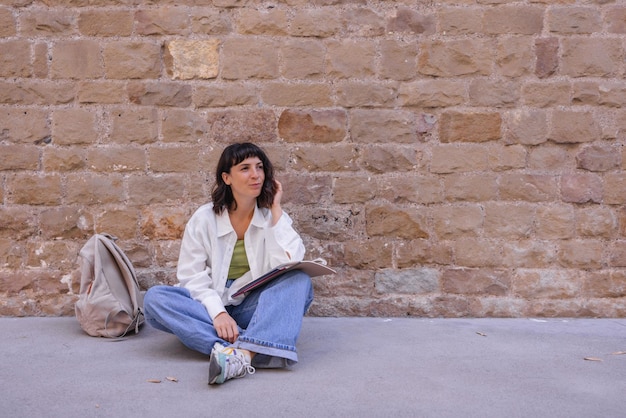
{"type": "Point", "coordinates": [153, 381]}
{"type": "Point", "coordinates": [172, 379]}
{"type": "Point", "coordinates": [481, 334]}
{"type": "Point", "coordinates": [618, 353]}
{"type": "Point", "coordinates": [593, 359]}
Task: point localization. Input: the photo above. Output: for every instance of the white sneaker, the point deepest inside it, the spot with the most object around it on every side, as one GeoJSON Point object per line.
{"type": "Point", "coordinates": [228, 363]}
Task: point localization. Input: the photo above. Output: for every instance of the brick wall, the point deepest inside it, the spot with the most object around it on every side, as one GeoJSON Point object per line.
{"type": "Point", "coordinates": [453, 158]}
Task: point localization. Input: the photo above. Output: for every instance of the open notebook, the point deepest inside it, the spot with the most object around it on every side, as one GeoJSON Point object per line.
{"type": "Point", "coordinates": [313, 268]}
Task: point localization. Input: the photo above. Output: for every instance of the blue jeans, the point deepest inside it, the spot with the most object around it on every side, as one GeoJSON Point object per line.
{"type": "Point", "coordinates": [269, 318]}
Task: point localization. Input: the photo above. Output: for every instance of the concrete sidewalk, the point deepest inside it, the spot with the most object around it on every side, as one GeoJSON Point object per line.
{"type": "Point", "coordinates": [349, 367]}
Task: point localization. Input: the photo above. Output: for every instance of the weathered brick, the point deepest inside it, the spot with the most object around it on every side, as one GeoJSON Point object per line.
{"type": "Point", "coordinates": [160, 223]}
{"type": "Point", "coordinates": [160, 94]}
{"type": "Point", "coordinates": [407, 20]}
{"type": "Point", "coordinates": [459, 220]}
{"type": "Point", "coordinates": [432, 93]}
{"type": "Point", "coordinates": [323, 126]}
{"type": "Point", "coordinates": [599, 157]}
{"type": "Point", "coordinates": [616, 19]}
{"type": "Point", "coordinates": [460, 20]}
{"type": "Point", "coordinates": [470, 187]}
{"type": "Point", "coordinates": [409, 281]}
{"type": "Point", "coordinates": [302, 59]}
{"type": "Point", "coordinates": [599, 222]}
{"type": "Point", "coordinates": [7, 23]}
{"type": "Point", "coordinates": [65, 223]}
{"type": "Point", "coordinates": [272, 22]}
{"type": "Point", "coordinates": [546, 94]}
{"type": "Point", "coordinates": [120, 222]}
{"type": "Point", "coordinates": [337, 223]}
{"type": "Point", "coordinates": [24, 125]}
{"type": "Point", "coordinates": [549, 157]}
{"type": "Point", "coordinates": [527, 127]}
{"type": "Point", "coordinates": [320, 23]}
{"type": "Point", "coordinates": [547, 50]}
{"type": "Point", "coordinates": [351, 94]}
{"type": "Point", "coordinates": [246, 58]}
{"type": "Point", "coordinates": [487, 93]}
{"type": "Point", "coordinates": [16, 223]}
{"type": "Point", "coordinates": [568, 20]}
{"type": "Point", "coordinates": [418, 252]}
{"type": "Point", "coordinates": [453, 158]}
{"type": "Point", "coordinates": [40, 60]}
{"type": "Point", "coordinates": [363, 22]}
{"type": "Point", "coordinates": [74, 127]}
{"type": "Point", "coordinates": [529, 253]}
{"type": "Point", "coordinates": [528, 187]}
{"type": "Point", "coordinates": [469, 127]}
{"type": "Point", "coordinates": [605, 284]}
{"type": "Point", "coordinates": [116, 159]}
{"type": "Point", "coordinates": [392, 221]}
{"type": "Point", "coordinates": [225, 95]}
{"type": "Point", "coordinates": [63, 158]}
{"type": "Point", "coordinates": [591, 57]}
{"type": "Point", "coordinates": [574, 127]}
{"type": "Point", "coordinates": [105, 22]}
{"type": "Point", "coordinates": [354, 189]}
{"type": "Point", "coordinates": [178, 159]}
{"type": "Point", "coordinates": [228, 126]}
{"type": "Point", "coordinates": [132, 60]}
{"type": "Point", "coordinates": [165, 20]}
{"type": "Point", "coordinates": [581, 188]}
{"type": "Point", "coordinates": [477, 252]}
{"type": "Point", "coordinates": [400, 59]}
{"type": "Point", "coordinates": [382, 126]}
{"type": "Point", "coordinates": [581, 254]}
{"type": "Point", "coordinates": [411, 189]}
{"type": "Point", "coordinates": [95, 189]}
{"type": "Point", "coordinates": [192, 59]}
{"type": "Point", "coordinates": [618, 254]}
{"type": "Point", "coordinates": [29, 189]}
{"type": "Point", "coordinates": [29, 92]}
{"type": "Point", "coordinates": [76, 59]}
{"type": "Point", "coordinates": [155, 189]}
{"type": "Point", "coordinates": [51, 255]}
{"type": "Point", "coordinates": [384, 158]}
{"type": "Point", "coordinates": [350, 59]}
{"type": "Point", "coordinates": [476, 282]}
{"type": "Point", "coordinates": [301, 94]}
{"type": "Point", "coordinates": [508, 220]}
{"type": "Point", "coordinates": [585, 93]}
{"type": "Point", "coordinates": [514, 56]}
{"type": "Point", "coordinates": [544, 283]}
{"type": "Point", "coordinates": [331, 158]}
{"type": "Point", "coordinates": [370, 254]}
{"type": "Point", "coordinates": [455, 58]}
{"type": "Point", "coordinates": [133, 125]}
{"type": "Point", "coordinates": [614, 189]}
{"type": "Point", "coordinates": [513, 19]}
{"type": "Point", "coordinates": [19, 157]}
{"type": "Point", "coordinates": [183, 126]}
{"type": "Point", "coordinates": [46, 22]}
{"type": "Point", "coordinates": [15, 59]}
{"type": "Point", "coordinates": [507, 157]}
{"type": "Point", "coordinates": [555, 222]}
{"type": "Point", "coordinates": [209, 21]}
{"type": "Point", "coordinates": [102, 92]}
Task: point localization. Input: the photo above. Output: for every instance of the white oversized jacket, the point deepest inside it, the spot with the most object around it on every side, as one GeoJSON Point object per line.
{"type": "Point", "coordinates": [207, 249]}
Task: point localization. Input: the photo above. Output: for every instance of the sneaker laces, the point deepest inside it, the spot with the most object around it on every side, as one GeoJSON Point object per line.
{"type": "Point", "coordinates": [236, 365]}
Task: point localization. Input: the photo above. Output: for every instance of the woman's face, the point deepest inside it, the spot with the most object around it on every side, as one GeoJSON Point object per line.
{"type": "Point", "coordinates": [246, 178]}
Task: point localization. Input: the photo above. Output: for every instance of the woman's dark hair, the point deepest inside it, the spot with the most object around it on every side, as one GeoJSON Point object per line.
{"type": "Point", "coordinates": [232, 155]}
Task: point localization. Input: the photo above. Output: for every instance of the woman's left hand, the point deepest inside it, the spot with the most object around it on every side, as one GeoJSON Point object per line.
{"type": "Point", "coordinates": [279, 193]}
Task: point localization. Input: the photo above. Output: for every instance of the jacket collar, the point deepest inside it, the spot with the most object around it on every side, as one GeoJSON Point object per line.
{"type": "Point", "coordinates": [224, 227]}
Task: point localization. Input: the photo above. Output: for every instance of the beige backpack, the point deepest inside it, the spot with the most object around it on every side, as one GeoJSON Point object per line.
{"type": "Point", "coordinates": [110, 301]}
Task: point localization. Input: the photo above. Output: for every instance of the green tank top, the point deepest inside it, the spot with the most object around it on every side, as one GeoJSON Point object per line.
{"type": "Point", "coordinates": [239, 263]}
